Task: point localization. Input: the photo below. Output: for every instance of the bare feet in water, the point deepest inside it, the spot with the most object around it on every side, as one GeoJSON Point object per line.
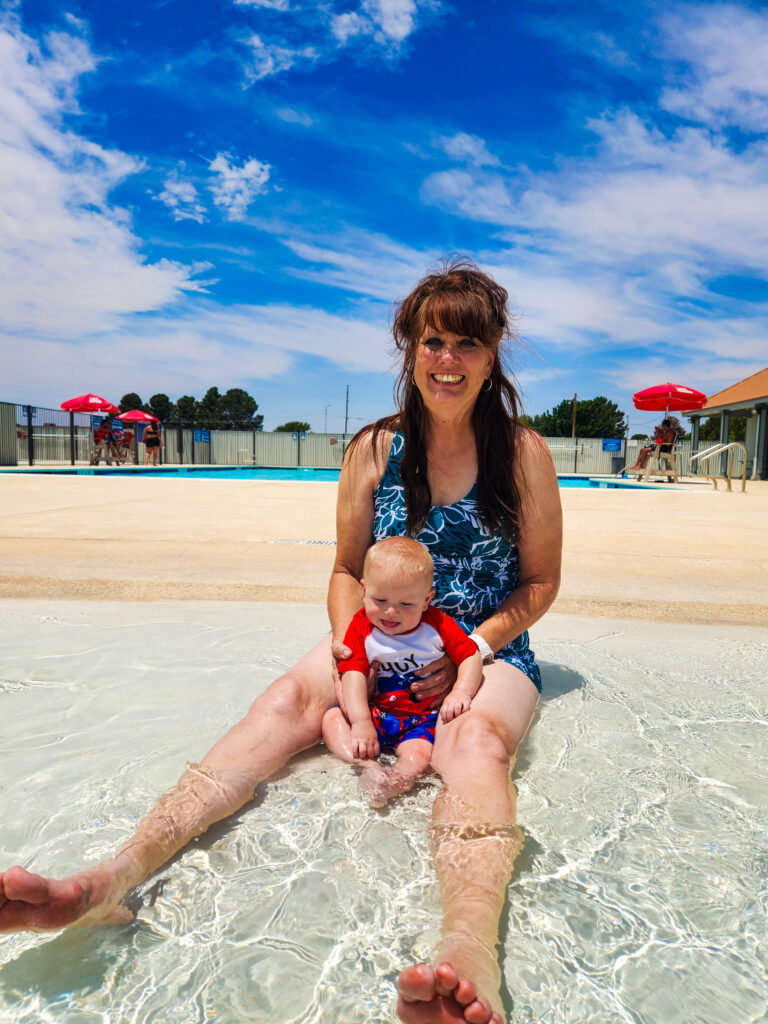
{"type": "Point", "coordinates": [440, 996]}
{"type": "Point", "coordinates": [30, 902]}
{"type": "Point", "coordinates": [380, 782]}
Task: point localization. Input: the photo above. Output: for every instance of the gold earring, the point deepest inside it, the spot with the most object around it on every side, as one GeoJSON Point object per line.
{"type": "Point", "coordinates": [489, 382]}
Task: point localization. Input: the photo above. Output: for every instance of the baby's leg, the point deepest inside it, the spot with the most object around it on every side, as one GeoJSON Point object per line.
{"type": "Point", "coordinates": [413, 757]}
{"type": "Point", "coordinates": [337, 735]}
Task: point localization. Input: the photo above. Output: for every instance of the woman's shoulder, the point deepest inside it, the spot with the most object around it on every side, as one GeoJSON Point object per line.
{"type": "Point", "coordinates": [533, 460]}
{"type": "Point", "coordinates": [372, 445]}
{"type": "Point", "coordinates": [530, 446]}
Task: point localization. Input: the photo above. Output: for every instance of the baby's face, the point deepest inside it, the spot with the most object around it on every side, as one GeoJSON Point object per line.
{"type": "Point", "coordinates": [394, 606]}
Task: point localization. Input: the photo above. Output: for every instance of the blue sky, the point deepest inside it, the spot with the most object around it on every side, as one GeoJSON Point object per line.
{"type": "Point", "coordinates": [233, 192]}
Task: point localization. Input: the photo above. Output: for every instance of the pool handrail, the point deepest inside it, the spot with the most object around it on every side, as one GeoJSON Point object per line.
{"type": "Point", "coordinates": [719, 449]}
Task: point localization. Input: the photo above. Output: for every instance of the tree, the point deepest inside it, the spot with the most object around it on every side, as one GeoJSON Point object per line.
{"type": "Point", "coordinates": [595, 417]}
{"type": "Point", "coordinates": [238, 411]}
{"type": "Point", "coordinates": [186, 409]}
{"type": "Point", "coordinates": [291, 427]}
{"type": "Point", "coordinates": [737, 429]}
{"type": "Point", "coordinates": [160, 406]}
{"type": "Point", "coordinates": [130, 402]}
{"type": "Point", "coordinates": [208, 410]}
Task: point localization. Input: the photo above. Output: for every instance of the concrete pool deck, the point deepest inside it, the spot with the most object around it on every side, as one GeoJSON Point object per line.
{"type": "Point", "coordinates": [691, 555]}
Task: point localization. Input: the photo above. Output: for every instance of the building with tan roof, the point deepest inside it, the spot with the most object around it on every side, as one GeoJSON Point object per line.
{"type": "Point", "coordinates": [747, 398]}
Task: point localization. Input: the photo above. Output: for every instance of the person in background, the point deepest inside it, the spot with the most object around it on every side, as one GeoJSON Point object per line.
{"type": "Point", "coordinates": [665, 435]}
{"type": "Point", "coordinates": [125, 445]}
{"type": "Point", "coordinates": [102, 442]}
{"type": "Point", "coordinates": [152, 442]}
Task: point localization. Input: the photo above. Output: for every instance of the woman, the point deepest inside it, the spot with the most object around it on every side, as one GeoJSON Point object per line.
{"type": "Point", "coordinates": [152, 441]}
{"type": "Point", "coordinates": [454, 469]}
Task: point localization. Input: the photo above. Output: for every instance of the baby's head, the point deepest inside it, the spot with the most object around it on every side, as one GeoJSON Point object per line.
{"type": "Point", "coordinates": [397, 584]}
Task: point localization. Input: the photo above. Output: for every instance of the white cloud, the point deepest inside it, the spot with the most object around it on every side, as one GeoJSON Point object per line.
{"type": "Point", "coordinates": [293, 116]}
{"type": "Point", "coordinates": [271, 58]}
{"type": "Point", "coordinates": [182, 199]}
{"type": "Point", "coordinates": [185, 352]}
{"type": "Point", "coordinates": [467, 149]}
{"type": "Point", "coordinates": [725, 80]}
{"type": "Point", "coordinates": [389, 22]}
{"type": "Point", "coordinates": [235, 188]}
{"type": "Point", "coordinates": [69, 262]}
{"type": "Point", "coordinates": [275, 5]}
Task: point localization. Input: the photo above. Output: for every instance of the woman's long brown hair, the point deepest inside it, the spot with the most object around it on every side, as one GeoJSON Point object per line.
{"type": "Point", "coordinates": [457, 297]}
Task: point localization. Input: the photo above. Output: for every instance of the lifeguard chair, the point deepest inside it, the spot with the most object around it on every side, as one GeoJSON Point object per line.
{"type": "Point", "coordinates": [665, 463]}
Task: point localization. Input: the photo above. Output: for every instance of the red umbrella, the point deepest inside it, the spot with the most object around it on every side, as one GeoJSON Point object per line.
{"type": "Point", "coordinates": [89, 403]}
{"type": "Point", "coordinates": [668, 396]}
{"type": "Point", "coordinates": [138, 416]}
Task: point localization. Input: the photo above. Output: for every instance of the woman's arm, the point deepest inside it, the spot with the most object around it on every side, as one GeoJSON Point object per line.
{"type": "Point", "coordinates": [540, 543]}
{"type": "Point", "coordinates": [359, 478]}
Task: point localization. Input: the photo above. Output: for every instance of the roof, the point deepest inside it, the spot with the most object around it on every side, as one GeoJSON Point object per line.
{"type": "Point", "coordinates": [751, 389]}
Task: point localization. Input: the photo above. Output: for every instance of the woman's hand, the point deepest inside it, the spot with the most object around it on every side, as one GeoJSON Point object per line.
{"type": "Point", "coordinates": [434, 680]}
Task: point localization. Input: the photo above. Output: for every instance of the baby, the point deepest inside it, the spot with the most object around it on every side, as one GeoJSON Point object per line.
{"type": "Point", "coordinates": [397, 629]}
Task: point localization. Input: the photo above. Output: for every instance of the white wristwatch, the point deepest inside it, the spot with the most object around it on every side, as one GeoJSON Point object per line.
{"type": "Point", "coordinates": [486, 651]}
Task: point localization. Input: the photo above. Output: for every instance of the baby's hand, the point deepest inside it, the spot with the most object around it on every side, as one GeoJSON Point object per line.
{"type": "Point", "coordinates": [455, 704]}
{"type": "Point", "coordinates": [365, 742]}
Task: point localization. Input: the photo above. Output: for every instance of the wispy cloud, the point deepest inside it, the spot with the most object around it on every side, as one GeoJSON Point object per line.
{"type": "Point", "coordinates": [467, 149]}
{"type": "Point", "coordinates": [181, 198]}
{"type": "Point", "coordinates": [724, 81]}
{"type": "Point", "coordinates": [388, 22]}
{"type": "Point", "coordinates": [69, 261]}
{"type": "Point", "coordinates": [235, 188]}
{"type": "Point", "coordinates": [292, 116]}
{"type": "Point", "coordinates": [275, 5]}
{"type": "Point", "coordinates": [270, 58]}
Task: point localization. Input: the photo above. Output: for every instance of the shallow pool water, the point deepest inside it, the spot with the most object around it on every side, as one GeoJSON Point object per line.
{"type": "Point", "coordinates": [640, 895]}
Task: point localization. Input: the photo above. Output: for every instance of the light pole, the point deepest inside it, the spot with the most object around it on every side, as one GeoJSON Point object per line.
{"type": "Point", "coordinates": [325, 426]}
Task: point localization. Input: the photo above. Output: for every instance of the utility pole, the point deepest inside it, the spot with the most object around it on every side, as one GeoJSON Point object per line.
{"type": "Point", "coordinates": [573, 420]}
{"type": "Point", "coordinates": [346, 412]}
{"type": "Point", "coordinates": [325, 425]}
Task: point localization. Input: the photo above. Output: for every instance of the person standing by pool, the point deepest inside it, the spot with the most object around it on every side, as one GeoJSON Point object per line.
{"type": "Point", "coordinates": [152, 442]}
{"type": "Point", "coordinates": [455, 470]}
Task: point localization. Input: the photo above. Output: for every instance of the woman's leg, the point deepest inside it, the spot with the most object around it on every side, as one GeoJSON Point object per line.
{"type": "Point", "coordinates": [283, 720]}
{"type": "Point", "coordinates": [474, 843]}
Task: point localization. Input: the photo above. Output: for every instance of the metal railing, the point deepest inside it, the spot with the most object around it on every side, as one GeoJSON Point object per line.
{"type": "Point", "coordinates": [720, 449]}
{"type": "Point", "coordinates": [34, 435]}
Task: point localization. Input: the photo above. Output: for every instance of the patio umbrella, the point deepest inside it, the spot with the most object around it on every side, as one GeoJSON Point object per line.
{"type": "Point", "coordinates": [138, 416]}
{"type": "Point", "coordinates": [89, 403]}
{"type": "Point", "coordinates": [668, 396]}
{"type": "Point", "coordinates": [84, 403]}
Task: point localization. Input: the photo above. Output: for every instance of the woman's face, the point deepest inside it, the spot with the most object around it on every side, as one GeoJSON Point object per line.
{"type": "Point", "coordinates": [450, 369]}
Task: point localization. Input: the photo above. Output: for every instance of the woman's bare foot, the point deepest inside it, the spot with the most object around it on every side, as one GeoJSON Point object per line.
{"type": "Point", "coordinates": [440, 996]}
{"type": "Point", "coordinates": [31, 902]}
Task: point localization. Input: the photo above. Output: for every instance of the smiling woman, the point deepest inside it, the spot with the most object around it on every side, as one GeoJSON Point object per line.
{"type": "Point", "coordinates": [456, 471]}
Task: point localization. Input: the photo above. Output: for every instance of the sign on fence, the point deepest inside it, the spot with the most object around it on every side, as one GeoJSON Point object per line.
{"type": "Point", "coordinates": [611, 444]}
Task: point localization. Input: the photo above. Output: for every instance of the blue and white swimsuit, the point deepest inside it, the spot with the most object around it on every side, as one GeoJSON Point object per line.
{"type": "Point", "coordinates": [475, 570]}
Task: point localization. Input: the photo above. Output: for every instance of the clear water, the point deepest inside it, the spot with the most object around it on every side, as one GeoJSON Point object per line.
{"type": "Point", "coordinates": [284, 473]}
{"type": "Point", "coordinates": [640, 895]}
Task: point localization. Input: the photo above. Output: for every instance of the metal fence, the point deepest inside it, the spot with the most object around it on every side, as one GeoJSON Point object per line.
{"type": "Point", "coordinates": [33, 435]}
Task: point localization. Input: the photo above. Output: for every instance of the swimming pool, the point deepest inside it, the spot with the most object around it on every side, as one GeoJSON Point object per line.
{"type": "Point", "coordinates": [639, 896]}
{"type": "Point", "coordinates": [296, 474]}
